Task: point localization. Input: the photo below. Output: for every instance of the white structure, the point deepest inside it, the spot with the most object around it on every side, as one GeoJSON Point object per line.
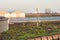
{"type": "Point", "coordinates": [3, 24]}
{"type": "Point", "coordinates": [18, 14]}
{"type": "Point", "coordinates": [12, 15]}
{"type": "Point", "coordinates": [2, 13]}
{"type": "Point", "coordinates": [15, 14]}
{"type": "Point", "coordinates": [7, 15]}
{"type": "Point", "coordinates": [22, 15]}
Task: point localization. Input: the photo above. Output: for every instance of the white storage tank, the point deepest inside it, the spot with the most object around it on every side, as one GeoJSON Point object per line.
{"type": "Point", "coordinates": [3, 24]}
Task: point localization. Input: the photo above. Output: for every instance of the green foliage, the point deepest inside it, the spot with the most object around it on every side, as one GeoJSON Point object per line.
{"type": "Point", "coordinates": [16, 32]}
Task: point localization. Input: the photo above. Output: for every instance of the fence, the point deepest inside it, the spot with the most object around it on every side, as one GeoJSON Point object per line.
{"type": "Point", "coordinates": [53, 37]}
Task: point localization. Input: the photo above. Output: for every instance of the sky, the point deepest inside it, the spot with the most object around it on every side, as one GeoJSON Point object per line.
{"type": "Point", "coordinates": [30, 5]}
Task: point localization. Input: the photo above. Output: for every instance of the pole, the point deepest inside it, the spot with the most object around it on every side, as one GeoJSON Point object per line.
{"type": "Point", "coordinates": [37, 17]}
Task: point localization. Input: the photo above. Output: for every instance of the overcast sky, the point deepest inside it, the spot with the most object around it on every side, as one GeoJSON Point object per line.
{"type": "Point", "coordinates": [29, 5]}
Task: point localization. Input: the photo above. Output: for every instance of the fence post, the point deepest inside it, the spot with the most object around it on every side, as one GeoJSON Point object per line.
{"type": "Point", "coordinates": [52, 37]}
{"type": "Point", "coordinates": [58, 37]}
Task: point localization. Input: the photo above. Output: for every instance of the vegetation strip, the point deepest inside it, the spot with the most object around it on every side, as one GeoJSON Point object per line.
{"type": "Point", "coordinates": [24, 32]}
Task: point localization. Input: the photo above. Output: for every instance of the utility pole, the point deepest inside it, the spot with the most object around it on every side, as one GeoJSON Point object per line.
{"type": "Point", "coordinates": [37, 17]}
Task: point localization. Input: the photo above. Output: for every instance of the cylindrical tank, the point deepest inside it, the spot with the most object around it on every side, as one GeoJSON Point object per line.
{"type": "Point", "coordinates": [3, 24]}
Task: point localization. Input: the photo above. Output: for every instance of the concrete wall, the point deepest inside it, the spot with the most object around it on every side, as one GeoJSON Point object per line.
{"type": "Point", "coordinates": [4, 26]}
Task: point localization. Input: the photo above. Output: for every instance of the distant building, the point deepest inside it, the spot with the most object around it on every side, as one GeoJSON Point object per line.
{"type": "Point", "coordinates": [47, 10]}
{"type": "Point", "coordinates": [15, 14]}
{"type": "Point", "coordinates": [2, 13]}
{"type": "Point", "coordinates": [18, 14]}
{"type": "Point", "coordinates": [12, 15]}
{"type": "Point", "coordinates": [5, 14]}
